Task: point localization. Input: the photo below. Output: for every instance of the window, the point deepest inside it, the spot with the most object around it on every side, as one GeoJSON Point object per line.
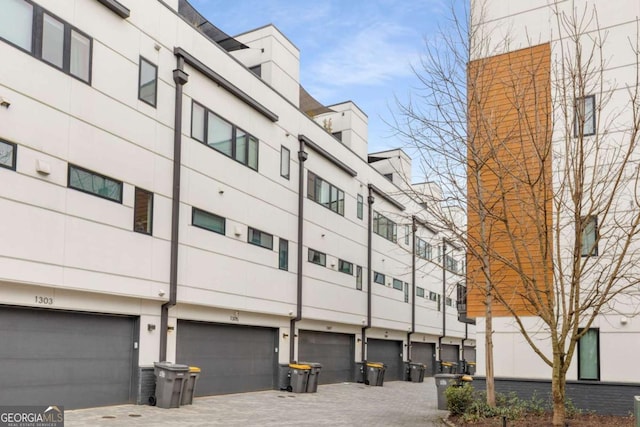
{"type": "Point", "coordinates": [384, 227]}
{"type": "Point", "coordinates": [406, 292]}
{"type": "Point", "coordinates": [33, 29]}
{"type": "Point", "coordinates": [260, 238]}
{"type": "Point", "coordinates": [419, 292]}
{"type": "Point", "coordinates": [285, 162]}
{"type": "Point", "coordinates": [208, 221]}
{"type": "Point", "coordinates": [257, 70]}
{"type": "Point", "coordinates": [283, 255]}
{"type": "Point", "coordinates": [147, 82]}
{"type": "Point", "coordinates": [317, 257]}
{"type": "Point", "coordinates": [585, 116]}
{"type": "Point", "coordinates": [450, 263]}
{"type": "Point", "coordinates": [224, 137]}
{"type": "Point", "coordinates": [7, 154]}
{"type": "Point", "coordinates": [378, 277]}
{"type": "Point", "coordinates": [345, 267]}
{"type": "Point", "coordinates": [397, 284]}
{"type": "Point", "coordinates": [461, 294]}
{"type": "Point", "coordinates": [433, 296]}
{"type": "Point", "coordinates": [589, 356]}
{"type": "Point", "coordinates": [326, 194]}
{"type": "Point", "coordinates": [389, 176]}
{"type": "Point", "coordinates": [448, 301]}
{"type": "Point", "coordinates": [143, 211]}
{"type": "Point", "coordinates": [93, 183]}
{"type": "Point", "coordinates": [358, 278]}
{"type": "Point", "coordinates": [337, 135]}
{"type": "Point", "coordinates": [589, 246]}
{"type": "Point", "coordinates": [406, 234]}
{"type": "Point", "coordinates": [423, 249]}
{"type": "Point", "coordinates": [360, 209]}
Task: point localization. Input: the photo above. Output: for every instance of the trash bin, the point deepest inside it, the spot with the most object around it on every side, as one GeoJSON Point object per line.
{"type": "Point", "coordinates": [314, 374]}
{"type": "Point", "coordinates": [190, 386]}
{"type": "Point", "coordinates": [443, 381]}
{"type": "Point", "coordinates": [448, 367]}
{"type": "Point", "coordinates": [416, 372]}
{"type": "Point", "coordinates": [375, 374]}
{"type": "Point", "coordinates": [170, 381]}
{"type": "Point", "coordinates": [299, 374]}
{"type": "Point", "coordinates": [471, 368]}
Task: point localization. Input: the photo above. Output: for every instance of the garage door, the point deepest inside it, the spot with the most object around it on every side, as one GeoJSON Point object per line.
{"type": "Point", "coordinates": [469, 354]}
{"type": "Point", "coordinates": [233, 358]}
{"type": "Point", "coordinates": [424, 353]}
{"type": "Point", "coordinates": [73, 359]}
{"type": "Point", "coordinates": [334, 351]}
{"type": "Point", "coordinates": [450, 353]}
{"type": "Point", "coordinates": [389, 353]}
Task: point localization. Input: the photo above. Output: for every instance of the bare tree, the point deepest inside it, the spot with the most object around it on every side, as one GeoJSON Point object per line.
{"type": "Point", "coordinates": [537, 146]}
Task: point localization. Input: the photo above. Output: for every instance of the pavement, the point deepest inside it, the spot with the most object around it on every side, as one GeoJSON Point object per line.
{"type": "Point", "coordinates": [397, 403]}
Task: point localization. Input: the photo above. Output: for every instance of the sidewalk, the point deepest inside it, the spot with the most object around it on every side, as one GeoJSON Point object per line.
{"type": "Point", "coordinates": [398, 403]}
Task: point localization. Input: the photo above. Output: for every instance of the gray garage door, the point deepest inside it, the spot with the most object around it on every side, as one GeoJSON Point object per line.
{"type": "Point", "coordinates": [390, 353]}
{"type": "Point", "coordinates": [422, 352]}
{"type": "Point", "coordinates": [334, 351]}
{"type": "Point", "coordinates": [233, 358]}
{"type": "Point", "coordinates": [73, 359]}
{"type": "Point", "coordinates": [469, 354]}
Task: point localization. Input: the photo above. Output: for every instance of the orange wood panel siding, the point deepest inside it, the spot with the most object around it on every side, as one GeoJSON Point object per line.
{"type": "Point", "coordinates": [509, 179]}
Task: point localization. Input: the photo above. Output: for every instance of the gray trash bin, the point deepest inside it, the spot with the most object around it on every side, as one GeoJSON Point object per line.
{"type": "Point", "coordinates": [416, 372]}
{"type": "Point", "coordinates": [442, 382]}
{"type": "Point", "coordinates": [314, 374]}
{"type": "Point", "coordinates": [299, 376]}
{"type": "Point", "coordinates": [190, 386]}
{"type": "Point", "coordinates": [170, 381]}
{"type": "Point", "coordinates": [375, 374]}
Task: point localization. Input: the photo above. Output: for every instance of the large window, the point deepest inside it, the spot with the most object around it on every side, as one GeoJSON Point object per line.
{"type": "Point", "coordinates": [450, 263]}
{"type": "Point", "coordinates": [222, 136]}
{"type": "Point", "coordinates": [384, 227]}
{"type": "Point", "coordinates": [589, 244]}
{"type": "Point", "coordinates": [283, 255]}
{"type": "Point", "coordinates": [589, 356]}
{"type": "Point", "coordinates": [208, 221]}
{"type": "Point", "coordinates": [147, 82]}
{"type": "Point", "coordinates": [43, 35]}
{"type": "Point", "coordinates": [260, 238]}
{"type": "Point", "coordinates": [345, 267]}
{"type": "Point", "coordinates": [285, 162]}
{"type": "Point", "coordinates": [7, 155]}
{"type": "Point", "coordinates": [317, 257]}
{"type": "Point", "coordinates": [143, 211]}
{"type": "Point", "coordinates": [360, 206]}
{"type": "Point", "coordinates": [423, 249]}
{"type": "Point", "coordinates": [585, 116]}
{"type": "Point", "coordinates": [93, 183]}
{"type": "Point", "coordinates": [324, 193]}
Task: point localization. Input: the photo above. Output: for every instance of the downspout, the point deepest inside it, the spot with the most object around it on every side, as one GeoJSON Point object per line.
{"type": "Point", "coordinates": [414, 228]}
{"type": "Point", "coordinates": [180, 78]}
{"type": "Point", "coordinates": [370, 201]}
{"type": "Point", "coordinates": [443, 298]}
{"type": "Point", "coordinates": [302, 156]}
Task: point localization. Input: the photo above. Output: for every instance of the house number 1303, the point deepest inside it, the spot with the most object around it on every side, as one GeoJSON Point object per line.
{"type": "Point", "coordinates": [44, 300]}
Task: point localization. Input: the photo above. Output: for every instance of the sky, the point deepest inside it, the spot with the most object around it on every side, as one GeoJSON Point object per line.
{"type": "Point", "coordinates": [357, 50]}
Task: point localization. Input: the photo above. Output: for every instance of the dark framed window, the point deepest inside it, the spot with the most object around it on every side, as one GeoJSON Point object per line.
{"type": "Point", "coordinates": [589, 244]}
{"type": "Point", "coordinates": [397, 284]}
{"type": "Point", "coordinates": [433, 296]}
{"type": "Point", "coordinates": [360, 205]}
{"type": "Point", "coordinates": [345, 267]}
{"type": "Point", "coordinates": [224, 137]}
{"type": "Point", "coordinates": [257, 70]}
{"type": "Point", "coordinates": [8, 154]}
{"type": "Point", "coordinates": [461, 294]}
{"type": "Point", "coordinates": [143, 211]}
{"type": "Point", "coordinates": [419, 292]}
{"type": "Point", "coordinates": [328, 195]}
{"type": "Point", "coordinates": [358, 277]}
{"type": "Point", "coordinates": [283, 254]}
{"type": "Point", "coordinates": [406, 292]}
{"type": "Point", "coordinates": [147, 82]}
{"type": "Point", "coordinates": [584, 122]}
{"type": "Point", "coordinates": [33, 29]}
{"type": "Point", "coordinates": [93, 183]}
{"type": "Point", "coordinates": [389, 176]}
{"type": "Point", "coordinates": [317, 257]}
{"type": "Point", "coordinates": [407, 232]}
{"type": "Point", "coordinates": [423, 249]}
{"type": "Point", "coordinates": [285, 162]}
{"type": "Point", "coordinates": [208, 221]}
{"type": "Point", "coordinates": [589, 355]}
{"type": "Point", "coordinates": [378, 278]}
{"type": "Point", "coordinates": [384, 227]}
{"type": "Point", "coordinates": [450, 263]}
{"type": "Point", "coordinates": [337, 135]}
{"type": "Point", "coordinates": [260, 238]}
{"type": "Point", "coordinates": [448, 301]}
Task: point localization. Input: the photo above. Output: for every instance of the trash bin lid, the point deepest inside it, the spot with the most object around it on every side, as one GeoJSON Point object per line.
{"type": "Point", "coordinates": [446, 363]}
{"type": "Point", "coordinates": [171, 366]}
{"type": "Point", "coordinates": [298, 366]}
{"type": "Point", "coordinates": [467, 378]}
{"type": "Point", "coordinates": [312, 364]}
{"type": "Point", "coordinates": [194, 369]}
{"type": "Point", "coordinates": [471, 363]}
{"type": "Point", "coordinates": [375, 365]}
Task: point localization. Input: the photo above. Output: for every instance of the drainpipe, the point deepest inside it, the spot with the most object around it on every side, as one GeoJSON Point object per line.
{"type": "Point", "coordinates": [414, 228]}
{"type": "Point", "coordinates": [370, 201]}
{"type": "Point", "coordinates": [180, 78]}
{"type": "Point", "coordinates": [443, 298]}
{"type": "Point", "coordinates": [302, 156]}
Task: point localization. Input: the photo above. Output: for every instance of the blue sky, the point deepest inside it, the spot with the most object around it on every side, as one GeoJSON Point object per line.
{"type": "Point", "coordinates": [358, 50]}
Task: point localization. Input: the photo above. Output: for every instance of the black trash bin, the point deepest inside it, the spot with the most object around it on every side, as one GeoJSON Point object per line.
{"type": "Point", "coordinates": [314, 374]}
{"type": "Point", "coordinates": [416, 372]}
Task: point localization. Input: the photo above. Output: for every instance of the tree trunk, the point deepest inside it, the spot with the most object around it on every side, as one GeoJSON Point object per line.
{"type": "Point", "coordinates": [488, 342]}
{"type": "Point", "coordinates": [558, 392]}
